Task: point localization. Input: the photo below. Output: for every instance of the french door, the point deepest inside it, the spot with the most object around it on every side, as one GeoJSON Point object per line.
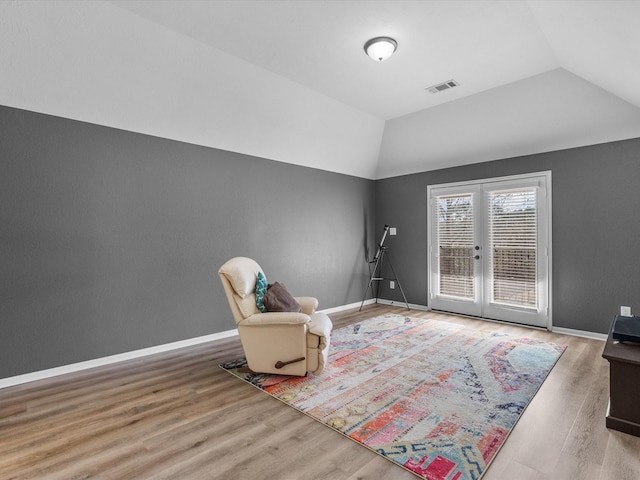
{"type": "Point", "coordinates": [489, 248]}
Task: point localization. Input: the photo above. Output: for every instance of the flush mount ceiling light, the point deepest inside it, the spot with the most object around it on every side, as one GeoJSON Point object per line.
{"type": "Point", "coordinates": [380, 48]}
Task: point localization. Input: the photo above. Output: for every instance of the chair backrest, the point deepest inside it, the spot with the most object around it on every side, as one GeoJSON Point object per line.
{"type": "Point", "coordinates": [238, 276]}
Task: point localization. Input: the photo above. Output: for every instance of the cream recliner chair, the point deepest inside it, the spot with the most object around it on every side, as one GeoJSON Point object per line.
{"type": "Point", "coordinates": [286, 343]}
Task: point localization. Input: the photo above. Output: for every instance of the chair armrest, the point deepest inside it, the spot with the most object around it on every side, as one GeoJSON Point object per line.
{"type": "Point", "coordinates": [321, 325]}
{"type": "Point", "coordinates": [276, 318]}
{"type": "Point", "coordinates": [308, 304]}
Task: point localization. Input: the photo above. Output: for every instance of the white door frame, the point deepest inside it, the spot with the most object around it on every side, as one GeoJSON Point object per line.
{"type": "Point", "coordinates": [462, 187]}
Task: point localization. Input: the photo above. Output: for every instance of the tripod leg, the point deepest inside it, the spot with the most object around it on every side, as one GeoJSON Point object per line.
{"type": "Point", "coordinates": [371, 279]}
{"type": "Point", "coordinates": [379, 278]}
{"type": "Point", "coordinates": [399, 285]}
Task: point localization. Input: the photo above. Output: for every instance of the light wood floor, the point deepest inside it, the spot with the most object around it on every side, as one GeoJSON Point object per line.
{"type": "Point", "coordinates": [177, 415]}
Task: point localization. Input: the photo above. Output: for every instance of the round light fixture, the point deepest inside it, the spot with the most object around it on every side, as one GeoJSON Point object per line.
{"type": "Point", "coordinates": [380, 48]}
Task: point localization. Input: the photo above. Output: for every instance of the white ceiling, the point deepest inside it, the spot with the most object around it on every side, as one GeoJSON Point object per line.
{"type": "Point", "coordinates": [289, 80]}
{"type": "Point", "coordinates": [480, 44]}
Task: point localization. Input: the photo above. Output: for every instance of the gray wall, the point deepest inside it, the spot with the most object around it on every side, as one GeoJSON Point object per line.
{"type": "Point", "coordinates": [596, 228]}
{"type": "Point", "coordinates": [111, 240]}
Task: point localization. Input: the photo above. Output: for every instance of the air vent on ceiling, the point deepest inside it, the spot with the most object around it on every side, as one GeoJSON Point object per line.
{"type": "Point", "coordinates": [443, 86]}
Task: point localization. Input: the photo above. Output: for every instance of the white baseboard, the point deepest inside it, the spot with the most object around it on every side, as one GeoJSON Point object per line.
{"type": "Point", "coordinates": [580, 333]}
{"type": "Point", "coordinates": [342, 308]}
{"type": "Point", "coordinates": [372, 301]}
{"type": "Point", "coordinates": [564, 331]}
{"type": "Point", "coordinates": [396, 303]}
{"type": "Point", "coordinates": [121, 357]}
{"type": "Point", "coordinates": [98, 362]}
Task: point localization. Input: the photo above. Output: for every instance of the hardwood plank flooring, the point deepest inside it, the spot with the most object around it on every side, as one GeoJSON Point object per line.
{"type": "Point", "coordinates": [177, 415]}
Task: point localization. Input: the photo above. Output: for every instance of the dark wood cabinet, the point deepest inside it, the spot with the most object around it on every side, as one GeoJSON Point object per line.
{"type": "Point", "coordinates": [624, 385]}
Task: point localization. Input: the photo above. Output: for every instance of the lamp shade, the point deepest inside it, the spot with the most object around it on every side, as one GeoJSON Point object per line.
{"type": "Point", "coordinates": [380, 48]}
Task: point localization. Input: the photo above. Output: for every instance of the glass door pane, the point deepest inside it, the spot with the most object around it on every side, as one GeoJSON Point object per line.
{"type": "Point", "coordinates": [455, 265]}
{"type": "Point", "coordinates": [513, 247]}
{"type": "Point", "coordinates": [455, 246]}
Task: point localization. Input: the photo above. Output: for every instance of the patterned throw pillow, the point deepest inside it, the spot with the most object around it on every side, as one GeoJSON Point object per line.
{"type": "Point", "coordinates": [261, 289]}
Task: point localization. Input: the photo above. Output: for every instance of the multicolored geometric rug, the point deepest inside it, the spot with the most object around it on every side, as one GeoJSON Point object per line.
{"type": "Point", "coordinates": [438, 399]}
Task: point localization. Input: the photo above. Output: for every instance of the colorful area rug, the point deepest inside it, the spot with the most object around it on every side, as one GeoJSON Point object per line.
{"type": "Point", "coordinates": [438, 399]}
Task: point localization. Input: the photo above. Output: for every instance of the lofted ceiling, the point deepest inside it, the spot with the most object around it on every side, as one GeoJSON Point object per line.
{"type": "Point", "coordinates": [480, 44]}
{"type": "Point", "coordinates": [533, 76]}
